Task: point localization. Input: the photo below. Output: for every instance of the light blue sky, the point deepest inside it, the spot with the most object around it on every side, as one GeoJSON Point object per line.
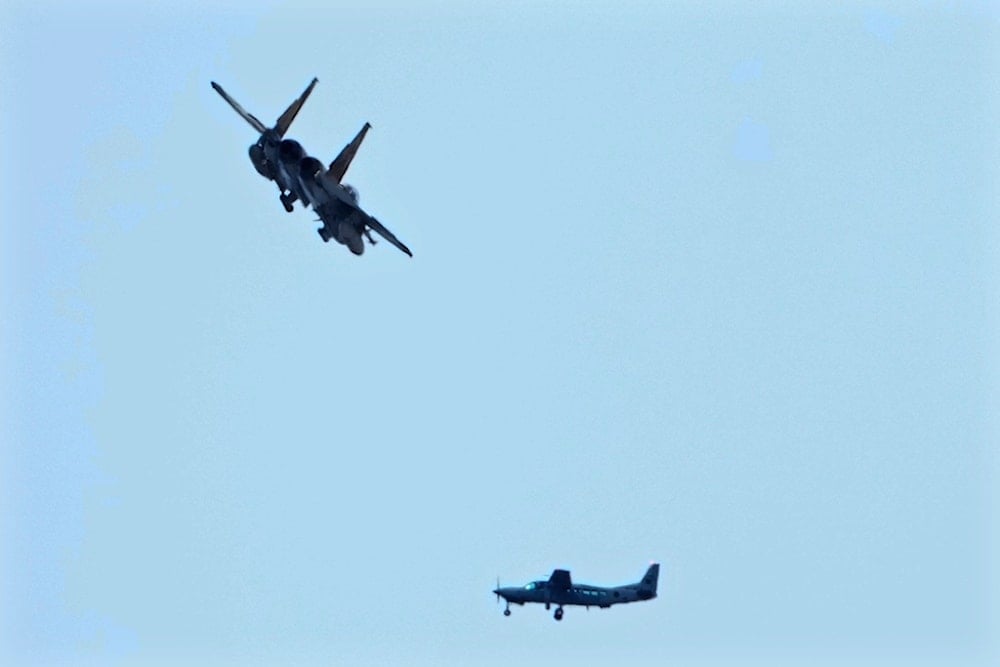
{"type": "Point", "coordinates": [701, 284]}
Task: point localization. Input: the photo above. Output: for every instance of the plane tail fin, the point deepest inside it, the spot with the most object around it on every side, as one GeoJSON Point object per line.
{"type": "Point", "coordinates": [285, 119]}
{"type": "Point", "coordinates": [647, 587]}
{"type": "Point", "coordinates": [340, 164]}
{"type": "Point", "coordinates": [246, 115]}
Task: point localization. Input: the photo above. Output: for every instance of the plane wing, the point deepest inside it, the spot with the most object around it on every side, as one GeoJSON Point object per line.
{"type": "Point", "coordinates": [285, 119]}
{"type": "Point", "coordinates": [340, 164]}
{"type": "Point", "coordinates": [378, 227]}
{"type": "Point", "coordinates": [340, 209]}
{"type": "Point", "coordinates": [560, 580]}
{"type": "Point", "coordinates": [247, 116]}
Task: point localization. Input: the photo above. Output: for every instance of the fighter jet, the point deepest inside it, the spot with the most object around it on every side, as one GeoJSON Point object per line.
{"type": "Point", "coordinates": [561, 591]}
{"type": "Point", "coordinates": [336, 203]}
{"type": "Point", "coordinates": [266, 154]}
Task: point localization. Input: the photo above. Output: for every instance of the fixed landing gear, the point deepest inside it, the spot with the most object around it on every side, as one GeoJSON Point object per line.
{"type": "Point", "coordinates": [286, 201]}
{"type": "Point", "coordinates": [506, 612]}
{"type": "Point", "coordinates": [558, 614]}
{"type": "Point", "coordinates": [323, 234]}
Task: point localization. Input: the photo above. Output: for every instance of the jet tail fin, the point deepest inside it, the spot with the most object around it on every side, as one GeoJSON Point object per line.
{"type": "Point", "coordinates": [647, 586]}
{"type": "Point", "coordinates": [246, 115]}
{"type": "Point", "coordinates": [340, 164]}
{"type": "Point", "coordinates": [285, 119]}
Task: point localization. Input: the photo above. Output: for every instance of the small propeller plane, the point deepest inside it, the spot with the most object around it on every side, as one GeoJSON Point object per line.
{"type": "Point", "coordinates": [561, 591]}
{"type": "Point", "coordinates": [336, 203]}
{"type": "Point", "coordinates": [272, 151]}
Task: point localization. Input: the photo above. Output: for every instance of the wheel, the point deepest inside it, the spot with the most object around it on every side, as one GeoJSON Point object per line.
{"type": "Point", "coordinates": [506, 612]}
{"type": "Point", "coordinates": [323, 234]}
{"type": "Point", "coordinates": [558, 615]}
{"type": "Point", "coordinates": [285, 201]}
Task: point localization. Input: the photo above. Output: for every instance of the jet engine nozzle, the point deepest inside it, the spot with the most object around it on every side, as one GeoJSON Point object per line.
{"type": "Point", "coordinates": [290, 152]}
{"type": "Point", "coordinates": [309, 167]}
{"type": "Point", "coordinates": [259, 160]}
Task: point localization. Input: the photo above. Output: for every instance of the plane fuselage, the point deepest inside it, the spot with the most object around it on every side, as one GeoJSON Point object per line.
{"type": "Point", "coordinates": [578, 594]}
{"type": "Point", "coordinates": [560, 590]}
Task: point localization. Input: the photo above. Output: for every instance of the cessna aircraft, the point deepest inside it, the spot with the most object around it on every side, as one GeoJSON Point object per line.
{"type": "Point", "coordinates": [267, 153]}
{"type": "Point", "coordinates": [336, 203]}
{"type": "Point", "coordinates": [560, 590]}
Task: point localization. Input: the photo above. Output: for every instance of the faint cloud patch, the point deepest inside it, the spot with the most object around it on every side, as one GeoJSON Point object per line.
{"type": "Point", "coordinates": [753, 142]}
{"type": "Point", "coordinates": [882, 25]}
{"type": "Point", "coordinates": [747, 71]}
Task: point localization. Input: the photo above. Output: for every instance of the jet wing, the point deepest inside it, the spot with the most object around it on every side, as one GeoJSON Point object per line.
{"type": "Point", "coordinates": [285, 119]}
{"type": "Point", "coordinates": [247, 116]}
{"type": "Point", "coordinates": [378, 227]}
{"type": "Point", "coordinates": [340, 164]}
{"type": "Point", "coordinates": [338, 208]}
{"type": "Point", "coordinates": [560, 580]}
